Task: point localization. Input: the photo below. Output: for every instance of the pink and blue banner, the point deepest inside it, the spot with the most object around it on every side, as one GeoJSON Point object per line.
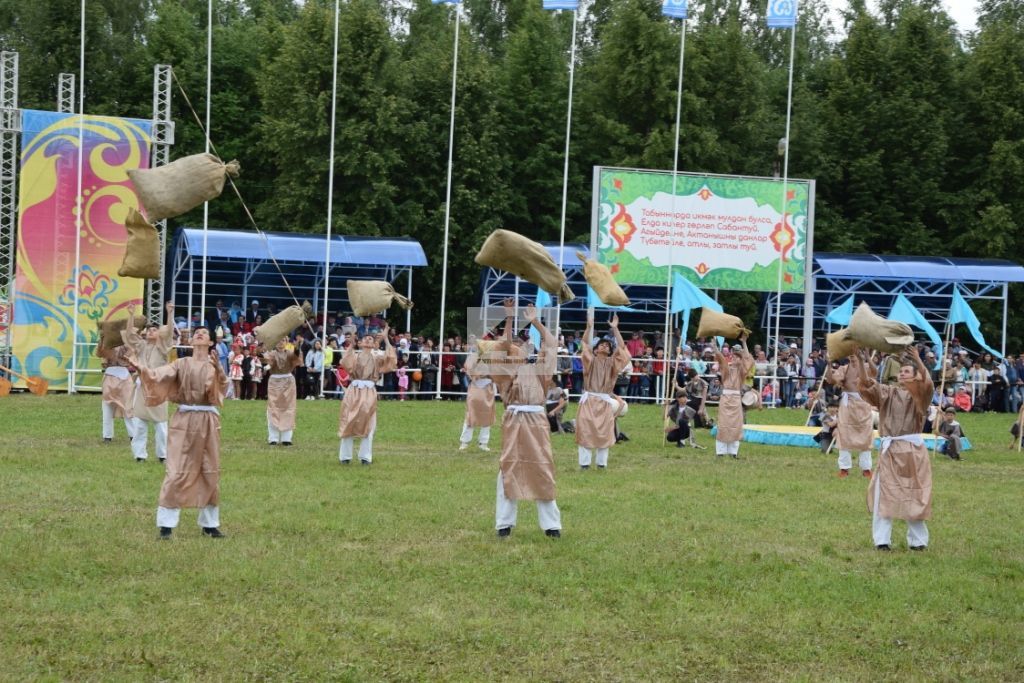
{"type": "Point", "coordinates": [46, 277]}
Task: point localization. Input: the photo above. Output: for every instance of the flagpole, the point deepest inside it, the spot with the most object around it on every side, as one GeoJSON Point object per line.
{"type": "Point", "coordinates": [942, 387]}
{"type": "Point", "coordinates": [565, 169]}
{"type": "Point", "coordinates": [206, 205]}
{"type": "Point", "coordinates": [330, 197]}
{"type": "Point", "coordinates": [785, 194]}
{"type": "Point", "coordinates": [448, 188]}
{"type": "Point", "coordinates": [76, 277]}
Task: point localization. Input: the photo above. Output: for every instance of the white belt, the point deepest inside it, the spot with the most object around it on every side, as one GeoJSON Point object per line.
{"type": "Point", "coordinates": [730, 392]}
{"type": "Point", "coordinates": [847, 395]}
{"type": "Point", "coordinates": [285, 374]}
{"type": "Point", "coordinates": [607, 398]}
{"type": "Point", "coordinates": [523, 409]}
{"type": "Point", "coordinates": [198, 409]}
{"type": "Point", "coordinates": [362, 384]}
{"type": "Point", "coordinates": [117, 371]}
{"type": "Point", "coordinates": [481, 383]}
{"type": "Point", "coordinates": [909, 438]}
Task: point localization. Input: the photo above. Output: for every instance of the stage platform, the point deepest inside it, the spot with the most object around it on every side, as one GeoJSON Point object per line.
{"type": "Point", "coordinates": [785, 435]}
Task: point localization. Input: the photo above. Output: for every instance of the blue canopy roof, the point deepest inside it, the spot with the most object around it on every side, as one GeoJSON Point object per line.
{"type": "Point", "coordinates": [891, 267]}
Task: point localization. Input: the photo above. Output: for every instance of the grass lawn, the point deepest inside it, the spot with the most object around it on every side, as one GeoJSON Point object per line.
{"type": "Point", "coordinates": [673, 565]}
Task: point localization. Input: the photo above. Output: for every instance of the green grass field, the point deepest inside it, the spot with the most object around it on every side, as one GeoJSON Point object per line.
{"type": "Point", "coordinates": [673, 565]}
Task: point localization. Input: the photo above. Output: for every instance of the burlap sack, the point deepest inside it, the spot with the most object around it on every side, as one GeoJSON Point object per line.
{"type": "Point", "coordinates": [180, 186]}
{"type": "Point", "coordinates": [840, 345]}
{"type": "Point", "coordinates": [142, 253]}
{"type": "Point", "coordinates": [373, 296]}
{"type": "Point", "coordinates": [869, 329]}
{"type": "Point", "coordinates": [715, 324]}
{"type": "Point", "coordinates": [110, 331]}
{"type": "Point", "coordinates": [280, 326]}
{"type": "Point", "coordinates": [601, 281]}
{"type": "Point", "coordinates": [508, 251]}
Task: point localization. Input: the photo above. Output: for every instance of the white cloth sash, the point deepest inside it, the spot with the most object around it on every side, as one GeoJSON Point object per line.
{"type": "Point", "coordinates": [847, 395]}
{"type": "Point", "coordinates": [910, 438]}
{"type": "Point", "coordinates": [362, 384]}
{"type": "Point", "coordinates": [117, 371]}
{"type": "Point", "coordinates": [481, 383]}
{"type": "Point", "coordinates": [281, 374]}
{"type": "Point", "coordinates": [198, 409]}
{"type": "Point", "coordinates": [730, 392]}
{"type": "Point", "coordinates": [607, 398]}
{"type": "Point", "coordinates": [515, 408]}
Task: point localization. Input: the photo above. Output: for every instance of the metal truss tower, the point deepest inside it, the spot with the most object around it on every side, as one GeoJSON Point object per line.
{"type": "Point", "coordinates": [163, 138]}
{"type": "Point", "coordinates": [10, 129]}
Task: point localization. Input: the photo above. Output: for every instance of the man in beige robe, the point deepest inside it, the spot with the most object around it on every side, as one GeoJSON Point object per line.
{"type": "Point", "coordinates": [192, 479]}
{"type": "Point", "coordinates": [118, 389]}
{"type": "Point", "coordinates": [733, 370]}
{"type": "Point", "coordinates": [901, 487]}
{"type": "Point", "coordinates": [855, 431]}
{"type": "Point", "coordinates": [151, 352]}
{"type": "Point", "coordinates": [595, 419]}
{"type": "Point", "coordinates": [479, 405]}
{"type": "Point", "coordinates": [359, 406]}
{"type": "Point", "coordinates": [281, 394]}
{"type": "Point", "coordinates": [526, 467]}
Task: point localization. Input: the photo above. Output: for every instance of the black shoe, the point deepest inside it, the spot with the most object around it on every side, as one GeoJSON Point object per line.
{"type": "Point", "coordinates": [213, 532]}
{"type": "Point", "coordinates": [140, 460]}
{"type": "Point", "coordinates": [885, 546]}
{"type": "Point", "coordinates": [106, 440]}
{"type": "Point", "coordinates": [364, 462]}
{"type": "Point", "coordinates": [680, 444]}
{"type": "Point", "coordinates": [584, 467]}
{"type": "Point", "coordinates": [345, 462]}
{"type": "Point", "coordinates": [271, 443]}
{"type": "Point", "coordinates": [505, 532]}
{"type": "Point", "coordinates": [553, 533]}
{"type": "Point", "coordinates": [163, 459]}
{"type": "Point", "coordinates": [165, 533]}
{"type": "Point", "coordinates": [601, 467]}
{"type": "Point", "coordinates": [919, 548]}
{"type": "Point", "coordinates": [286, 443]}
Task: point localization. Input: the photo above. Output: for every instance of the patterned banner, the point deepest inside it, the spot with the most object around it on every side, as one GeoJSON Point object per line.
{"type": "Point", "coordinates": [781, 13]}
{"type": "Point", "coordinates": [46, 278]}
{"type": "Point", "coordinates": [674, 8]}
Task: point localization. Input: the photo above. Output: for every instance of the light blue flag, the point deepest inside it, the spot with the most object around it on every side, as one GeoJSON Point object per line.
{"type": "Point", "coordinates": [905, 312]}
{"type": "Point", "coordinates": [675, 9]}
{"type": "Point", "coordinates": [687, 296]}
{"type": "Point", "coordinates": [543, 301]}
{"type": "Point", "coordinates": [781, 13]}
{"type": "Point", "coordinates": [960, 312]}
{"type": "Point", "coordinates": [841, 314]}
{"type": "Point", "coordinates": [446, 2]}
{"type": "Point", "coordinates": [560, 4]}
{"type": "Point", "coordinates": [594, 301]}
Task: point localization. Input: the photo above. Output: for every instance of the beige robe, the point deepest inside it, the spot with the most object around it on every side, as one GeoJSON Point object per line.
{"type": "Point", "coordinates": [117, 391]}
{"type": "Point", "coordinates": [359, 406]}
{"type": "Point", "coordinates": [527, 463]}
{"type": "Point", "coordinates": [281, 390]}
{"type": "Point", "coordinates": [192, 476]}
{"type": "Point", "coordinates": [730, 407]}
{"type": "Point", "coordinates": [149, 355]}
{"type": "Point", "coordinates": [479, 399]}
{"type": "Point", "coordinates": [904, 470]}
{"type": "Point", "coordinates": [855, 431]}
{"type": "Point", "coordinates": [595, 419]}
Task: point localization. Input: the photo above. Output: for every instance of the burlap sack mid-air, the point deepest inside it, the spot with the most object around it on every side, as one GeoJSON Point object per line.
{"type": "Point", "coordinates": [142, 253]}
{"type": "Point", "coordinates": [840, 345]}
{"type": "Point", "coordinates": [869, 329]}
{"type": "Point", "coordinates": [110, 331]}
{"type": "Point", "coordinates": [715, 324]}
{"type": "Point", "coordinates": [180, 186]}
{"type": "Point", "coordinates": [601, 281]}
{"type": "Point", "coordinates": [513, 253]}
{"type": "Point", "coordinates": [373, 296]}
{"type": "Point", "coordinates": [280, 326]}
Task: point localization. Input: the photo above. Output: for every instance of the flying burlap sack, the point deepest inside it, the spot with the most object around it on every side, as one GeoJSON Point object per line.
{"type": "Point", "coordinates": [715, 324]}
{"type": "Point", "coordinates": [601, 281]}
{"type": "Point", "coordinates": [180, 186]}
{"type": "Point", "coordinates": [840, 345]}
{"type": "Point", "coordinates": [508, 251]}
{"type": "Point", "coordinates": [373, 296]}
{"type": "Point", "coordinates": [869, 329]}
{"type": "Point", "coordinates": [142, 253]}
{"type": "Point", "coordinates": [280, 326]}
{"type": "Point", "coordinates": [110, 331]}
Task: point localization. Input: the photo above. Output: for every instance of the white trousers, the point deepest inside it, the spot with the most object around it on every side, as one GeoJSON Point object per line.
{"type": "Point", "coordinates": [727, 447]}
{"type": "Point", "coordinates": [585, 455]}
{"type": "Point", "coordinates": [209, 517]}
{"type": "Point", "coordinates": [276, 435]}
{"type": "Point", "coordinates": [140, 435]}
{"type": "Point", "coordinates": [467, 435]}
{"type": "Point", "coordinates": [881, 527]}
{"type": "Point", "coordinates": [108, 421]}
{"type": "Point", "coordinates": [846, 460]}
{"type": "Point", "coordinates": [505, 511]}
{"type": "Point", "coordinates": [365, 448]}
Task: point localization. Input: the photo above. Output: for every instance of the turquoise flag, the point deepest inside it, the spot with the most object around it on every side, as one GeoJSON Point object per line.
{"type": "Point", "coordinates": [594, 301]}
{"type": "Point", "coordinates": [841, 314]}
{"type": "Point", "coordinates": [960, 312]}
{"type": "Point", "coordinates": [543, 301]}
{"type": "Point", "coordinates": [687, 296]}
{"type": "Point", "coordinates": [675, 9]}
{"type": "Point", "coordinates": [781, 13]}
{"type": "Point", "coordinates": [905, 312]}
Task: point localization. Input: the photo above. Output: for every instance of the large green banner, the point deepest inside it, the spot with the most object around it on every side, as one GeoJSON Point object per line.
{"type": "Point", "coordinates": [719, 232]}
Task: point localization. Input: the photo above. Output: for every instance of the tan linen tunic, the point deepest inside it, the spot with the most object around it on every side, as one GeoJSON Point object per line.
{"type": "Point", "coordinates": [855, 431]}
{"type": "Point", "coordinates": [730, 408]}
{"type": "Point", "coordinates": [149, 355]}
{"type": "Point", "coordinates": [480, 397]}
{"type": "Point", "coordinates": [595, 419]}
{"type": "Point", "coordinates": [527, 463]}
{"type": "Point", "coordinates": [904, 471]}
{"type": "Point", "coordinates": [359, 407]}
{"type": "Point", "coordinates": [192, 476]}
{"type": "Point", "coordinates": [281, 390]}
{"type": "Point", "coordinates": [117, 391]}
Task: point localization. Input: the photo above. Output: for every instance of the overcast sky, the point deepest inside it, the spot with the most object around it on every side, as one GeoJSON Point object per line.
{"type": "Point", "coordinates": [964, 12]}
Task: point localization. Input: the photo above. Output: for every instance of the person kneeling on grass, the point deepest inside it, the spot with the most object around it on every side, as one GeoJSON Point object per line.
{"type": "Point", "coordinates": [829, 422]}
{"type": "Point", "coordinates": [951, 433]}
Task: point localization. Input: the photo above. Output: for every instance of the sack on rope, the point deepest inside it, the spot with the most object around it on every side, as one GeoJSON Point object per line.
{"type": "Point", "coordinates": [280, 326]}
{"type": "Point", "coordinates": [142, 253]}
{"type": "Point", "coordinates": [840, 345]}
{"type": "Point", "coordinates": [182, 185]}
{"type": "Point", "coordinates": [869, 329]}
{"type": "Point", "coordinates": [511, 252]}
{"type": "Point", "coordinates": [715, 324]}
{"type": "Point", "coordinates": [373, 296]}
{"type": "Point", "coordinates": [110, 331]}
{"type": "Point", "coordinates": [601, 281]}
